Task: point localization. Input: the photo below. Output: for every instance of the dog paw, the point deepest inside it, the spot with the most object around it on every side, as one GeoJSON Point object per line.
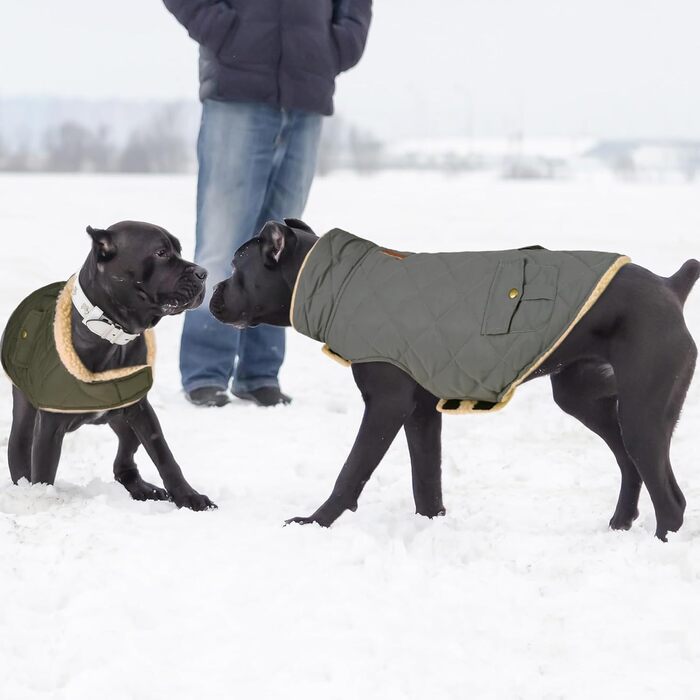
{"type": "Point", "coordinates": [669, 523]}
{"type": "Point", "coordinates": [143, 491]}
{"type": "Point", "coordinates": [192, 500]}
{"type": "Point", "coordinates": [623, 521]}
{"type": "Point", "coordinates": [303, 521]}
{"type": "Point", "coordinates": [139, 489]}
{"type": "Point", "coordinates": [431, 512]}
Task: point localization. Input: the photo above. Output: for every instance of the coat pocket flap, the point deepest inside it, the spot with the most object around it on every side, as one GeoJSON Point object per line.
{"type": "Point", "coordinates": [504, 296]}
{"type": "Point", "coordinates": [539, 290]}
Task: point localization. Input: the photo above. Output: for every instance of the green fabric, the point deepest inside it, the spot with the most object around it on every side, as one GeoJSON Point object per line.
{"type": "Point", "coordinates": [30, 358]}
{"type": "Point", "coordinates": [447, 319]}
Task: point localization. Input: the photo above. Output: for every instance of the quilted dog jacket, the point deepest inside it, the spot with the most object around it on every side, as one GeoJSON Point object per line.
{"type": "Point", "coordinates": [38, 355]}
{"type": "Point", "coordinates": [469, 327]}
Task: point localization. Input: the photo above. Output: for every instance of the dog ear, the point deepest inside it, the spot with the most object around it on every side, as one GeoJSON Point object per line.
{"type": "Point", "coordinates": [176, 243]}
{"type": "Point", "coordinates": [276, 239]}
{"type": "Point", "coordinates": [102, 243]}
{"type": "Point", "coordinates": [298, 224]}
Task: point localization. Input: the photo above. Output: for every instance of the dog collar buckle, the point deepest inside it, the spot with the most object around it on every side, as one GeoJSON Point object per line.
{"type": "Point", "coordinates": [109, 331]}
{"type": "Point", "coordinates": [95, 320]}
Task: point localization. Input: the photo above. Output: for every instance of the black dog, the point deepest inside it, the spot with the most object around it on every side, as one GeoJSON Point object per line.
{"type": "Point", "coordinates": [623, 372]}
{"type": "Point", "coordinates": [135, 275]}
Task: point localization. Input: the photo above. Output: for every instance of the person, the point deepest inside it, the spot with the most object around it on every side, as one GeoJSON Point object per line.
{"type": "Point", "coordinates": [267, 72]}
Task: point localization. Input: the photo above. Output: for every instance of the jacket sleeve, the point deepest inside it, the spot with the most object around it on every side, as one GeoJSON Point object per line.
{"type": "Point", "coordinates": [351, 19]}
{"type": "Point", "coordinates": [208, 22]}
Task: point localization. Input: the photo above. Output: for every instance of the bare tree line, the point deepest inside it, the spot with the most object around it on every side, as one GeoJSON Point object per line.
{"type": "Point", "coordinates": [158, 146]}
{"type": "Point", "coordinates": [162, 144]}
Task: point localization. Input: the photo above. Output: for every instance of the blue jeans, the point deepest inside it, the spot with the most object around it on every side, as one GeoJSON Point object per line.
{"type": "Point", "coordinates": [256, 163]}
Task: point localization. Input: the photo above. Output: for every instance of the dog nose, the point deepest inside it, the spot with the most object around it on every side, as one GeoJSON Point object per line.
{"type": "Point", "coordinates": [199, 272]}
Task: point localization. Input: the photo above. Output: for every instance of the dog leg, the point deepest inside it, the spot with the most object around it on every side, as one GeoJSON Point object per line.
{"type": "Point", "coordinates": [142, 419]}
{"type": "Point", "coordinates": [19, 447]}
{"type": "Point", "coordinates": [125, 470]}
{"type": "Point", "coordinates": [49, 431]}
{"type": "Point", "coordinates": [653, 371]}
{"type": "Point", "coordinates": [588, 392]}
{"type": "Point", "coordinates": [423, 433]}
{"type": "Point", "coordinates": [389, 396]}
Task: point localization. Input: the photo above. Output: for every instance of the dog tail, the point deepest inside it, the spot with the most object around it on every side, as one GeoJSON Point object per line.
{"type": "Point", "coordinates": [682, 281]}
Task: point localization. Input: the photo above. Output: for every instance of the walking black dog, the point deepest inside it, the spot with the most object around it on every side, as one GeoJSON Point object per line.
{"type": "Point", "coordinates": [623, 371]}
{"type": "Point", "coordinates": [133, 276]}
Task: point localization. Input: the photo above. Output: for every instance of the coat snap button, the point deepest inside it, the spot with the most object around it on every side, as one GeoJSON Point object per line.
{"type": "Point", "coordinates": [513, 293]}
{"type": "Point", "coordinates": [23, 334]}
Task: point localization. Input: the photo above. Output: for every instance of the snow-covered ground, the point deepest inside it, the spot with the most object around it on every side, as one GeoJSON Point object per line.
{"type": "Point", "coordinates": [521, 591]}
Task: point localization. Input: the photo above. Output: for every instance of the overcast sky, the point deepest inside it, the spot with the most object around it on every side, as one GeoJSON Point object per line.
{"type": "Point", "coordinates": [616, 68]}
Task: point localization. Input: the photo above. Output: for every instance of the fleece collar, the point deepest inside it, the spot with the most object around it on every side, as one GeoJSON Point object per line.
{"type": "Point", "coordinates": [68, 355]}
{"type": "Point", "coordinates": [95, 320]}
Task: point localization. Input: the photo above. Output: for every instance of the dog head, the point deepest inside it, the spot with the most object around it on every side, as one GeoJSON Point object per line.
{"type": "Point", "coordinates": [135, 274]}
{"type": "Point", "coordinates": [265, 270]}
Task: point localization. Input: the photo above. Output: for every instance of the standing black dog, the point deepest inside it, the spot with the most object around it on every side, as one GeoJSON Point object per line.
{"type": "Point", "coordinates": [133, 276]}
{"type": "Point", "coordinates": [623, 372]}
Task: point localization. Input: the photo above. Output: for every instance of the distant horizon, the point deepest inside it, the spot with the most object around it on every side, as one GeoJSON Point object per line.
{"type": "Point", "coordinates": [193, 102]}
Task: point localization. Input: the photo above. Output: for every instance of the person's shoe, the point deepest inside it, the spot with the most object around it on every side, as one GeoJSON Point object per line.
{"type": "Point", "coordinates": [264, 396]}
{"type": "Point", "coordinates": [208, 396]}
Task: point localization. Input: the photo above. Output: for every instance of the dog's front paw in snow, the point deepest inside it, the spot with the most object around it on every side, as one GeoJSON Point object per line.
{"type": "Point", "coordinates": [305, 521]}
{"type": "Point", "coordinates": [192, 500]}
{"type": "Point", "coordinates": [141, 490]}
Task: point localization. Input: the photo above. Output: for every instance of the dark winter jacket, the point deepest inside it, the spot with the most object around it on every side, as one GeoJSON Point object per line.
{"type": "Point", "coordinates": [285, 53]}
{"type": "Point", "coordinates": [38, 355]}
{"type": "Point", "coordinates": [468, 327]}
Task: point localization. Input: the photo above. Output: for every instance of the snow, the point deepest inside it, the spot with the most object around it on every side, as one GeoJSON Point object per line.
{"type": "Point", "coordinates": [521, 591]}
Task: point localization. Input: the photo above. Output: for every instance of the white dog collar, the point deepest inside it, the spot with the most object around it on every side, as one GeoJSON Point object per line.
{"type": "Point", "coordinates": [94, 318]}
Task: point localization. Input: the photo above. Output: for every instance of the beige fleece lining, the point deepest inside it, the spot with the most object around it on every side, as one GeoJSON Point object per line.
{"type": "Point", "coordinates": [467, 406]}
{"type": "Point", "coordinates": [69, 357]}
{"type": "Point", "coordinates": [296, 284]}
{"type": "Point", "coordinates": [334, 356]}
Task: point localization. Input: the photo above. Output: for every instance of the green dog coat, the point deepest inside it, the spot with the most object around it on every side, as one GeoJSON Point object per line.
{"type": "Point", "coordinates": [469, 327]}
{"type": "Point", "coordinates": [38, 355]}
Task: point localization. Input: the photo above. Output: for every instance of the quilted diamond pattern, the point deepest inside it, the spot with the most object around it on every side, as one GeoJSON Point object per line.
{"type": "Point", "coordinates": [430, 313]}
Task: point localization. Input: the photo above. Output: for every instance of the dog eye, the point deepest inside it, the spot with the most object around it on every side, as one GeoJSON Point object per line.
{"type": "Point", "coordinates": [162, 253]}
